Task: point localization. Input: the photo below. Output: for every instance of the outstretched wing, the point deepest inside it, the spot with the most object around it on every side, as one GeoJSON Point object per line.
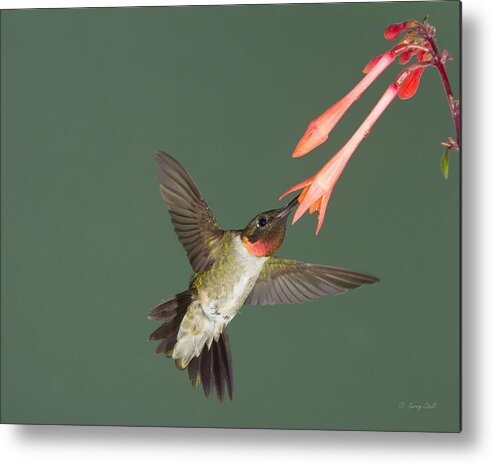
{"type": "Point", "coordinates": [284, 281]}
{"type": "Point", "coordinates": [194, 224]}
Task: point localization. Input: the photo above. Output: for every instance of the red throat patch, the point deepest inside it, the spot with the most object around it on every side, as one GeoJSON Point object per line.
{"type": "Point", "coordinates": [259, 248]}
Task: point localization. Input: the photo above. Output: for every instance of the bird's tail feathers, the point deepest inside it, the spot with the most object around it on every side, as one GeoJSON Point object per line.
{"type": "Point", "coordinates": [208, 359]}
{"type": "Point", "coordinates": [171, 312]}
{"type": "Point", "coordinates": [213, 368]}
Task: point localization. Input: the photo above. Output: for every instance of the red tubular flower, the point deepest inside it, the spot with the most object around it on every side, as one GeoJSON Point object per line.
{"type": "Point", "coordinates": [317, 189]}
{"type": "Point", "coordinates": [372, 64]}
{"type": "Point", "coordinates": [318, 130]}
{"type": "Point", "coordinates": [394, 30]}
{"type": "Point", "coordinates": [418, 41]}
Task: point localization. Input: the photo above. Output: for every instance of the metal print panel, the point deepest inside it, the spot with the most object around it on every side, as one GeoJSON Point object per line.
{"type": "Point", "coordinates": [146, 249]}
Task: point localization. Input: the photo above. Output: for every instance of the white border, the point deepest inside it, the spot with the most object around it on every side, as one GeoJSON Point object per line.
{"type": "Point", "coordinates": [130, 445]}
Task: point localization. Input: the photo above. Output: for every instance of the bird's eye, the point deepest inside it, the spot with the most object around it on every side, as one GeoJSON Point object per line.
{"type": "Point", "coordinates": [262, 222]}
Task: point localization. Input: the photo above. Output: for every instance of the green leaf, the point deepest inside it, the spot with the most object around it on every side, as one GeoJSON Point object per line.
{"type": "Point", "coordinates": [444, 163]}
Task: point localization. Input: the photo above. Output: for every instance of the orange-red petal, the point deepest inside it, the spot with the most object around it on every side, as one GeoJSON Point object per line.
{"type": "Point", "coordinates": [315, 206]}
{"type": "Point", "coordinates": [314, 192]}
{"type": "Point", "coordinates": [410, 85]}
{"type": "Point", "coordinates": [297, 187]}
{"type": "Point", "coordinates": [321, 211]}
{"type": "Point", "coordinates": [405, 57]}
{"type": "Point", "coordinates": [303, 194]}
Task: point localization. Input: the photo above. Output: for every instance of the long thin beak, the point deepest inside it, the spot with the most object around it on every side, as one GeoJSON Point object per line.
{"type": "Point", "coordinates": [284, 212]}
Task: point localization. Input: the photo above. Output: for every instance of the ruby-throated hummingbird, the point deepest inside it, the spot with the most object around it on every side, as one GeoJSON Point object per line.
{"type": "Point", "coordinates": [231, 268]}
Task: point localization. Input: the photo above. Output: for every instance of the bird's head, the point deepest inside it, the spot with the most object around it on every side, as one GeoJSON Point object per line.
{"type": "Point", "coordinates": [264, 234]}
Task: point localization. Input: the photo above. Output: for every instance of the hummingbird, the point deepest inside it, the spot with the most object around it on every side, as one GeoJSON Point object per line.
{"type": "Point", "coordinates": [231, 268]}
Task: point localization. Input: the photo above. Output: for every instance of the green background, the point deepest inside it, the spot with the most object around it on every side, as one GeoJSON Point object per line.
{"type": "Point", "coordinates": [89, 95]}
